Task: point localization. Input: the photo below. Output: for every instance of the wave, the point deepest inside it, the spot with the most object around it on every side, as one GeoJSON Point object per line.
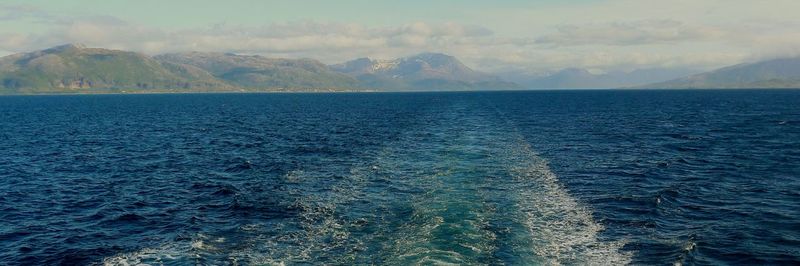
{"type": "Point", "coordinates": [563, 230]}
{"type": "Point", "coordinates": [463, 188]}
{"type": "Point", "coordinates": [447, 223]}
{"type": "Point", "coordinates": [313, 234]}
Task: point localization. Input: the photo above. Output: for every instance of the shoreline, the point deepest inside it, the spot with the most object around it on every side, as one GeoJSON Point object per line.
{"type": "Point", "coordinates": [387, 91]}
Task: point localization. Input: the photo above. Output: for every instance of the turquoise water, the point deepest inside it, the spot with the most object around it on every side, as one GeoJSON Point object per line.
{"type": "Point", "coordinates": [520, 178]}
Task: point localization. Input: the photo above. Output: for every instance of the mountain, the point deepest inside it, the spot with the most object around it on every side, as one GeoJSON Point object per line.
{"type": "Point", "coordinates": [75, 68]}
{"type": "Point", "coordinates": [776, 73]}
{"type": "Point", "coordinates": [427, 71]}
{"type": "Point", "coordinates": [258, 72]}
{"type": "Point", "coordinates": [566, 78]}
{"type": "Point", "coordinates": [581, 78]}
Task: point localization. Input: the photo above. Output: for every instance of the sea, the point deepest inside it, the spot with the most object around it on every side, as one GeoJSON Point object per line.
{"type": "Point", "coordinates": [584, 177]}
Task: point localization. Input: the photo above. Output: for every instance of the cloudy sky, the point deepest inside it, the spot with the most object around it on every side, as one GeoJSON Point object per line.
{"type": "Point", "coordinates": [495, 36]}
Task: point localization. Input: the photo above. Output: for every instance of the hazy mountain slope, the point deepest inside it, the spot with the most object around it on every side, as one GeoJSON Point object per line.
{"type": "Point", "coordinates": [427, 71]}
{"type": "Point", "coordinates": [581, 78]}
{"type": "Point", "coordinates": [567, 78]}
{"type": "Point", "coordinates": [776, 73]}
{"type": "Point", "coordinates": [261, 72]}
{"type": "Point", "coordinates": [74, 68]}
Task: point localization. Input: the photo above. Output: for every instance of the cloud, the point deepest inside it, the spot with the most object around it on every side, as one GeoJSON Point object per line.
{"type": "Point", "coordinates": [767, 39]}
{"type": "Point", "coordinates": [631, 33]}
{"type": "Point", "coordinates": [331, 42]}
{"type": "Point", "coordinates": [604, 46]}
{"type": "Point", "coordinates": [20, 12]}
{"type": "Point", "coordinates": [604, 60]}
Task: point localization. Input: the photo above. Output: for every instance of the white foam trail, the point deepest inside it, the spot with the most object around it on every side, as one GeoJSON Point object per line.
{"type": "Point", "coordinates": [147, 256]}
{"type": "Point", "coordinates": [560, 229]}
{"type": "Point", "coordinates": [448, 221]}
{"type": "Point", "coordinates": [416, 242]}
{"type": "Point", "coordinates": [563, 231]}
{"type": "Point", "coordinates": [319, 231]}
{"type": "Point", "coordinates": [168, 253]}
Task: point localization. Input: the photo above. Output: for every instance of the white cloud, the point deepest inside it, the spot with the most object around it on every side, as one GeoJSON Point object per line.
{"type": "Point", "coordinates": [543, 61]}
{"type": "Point", "coordinates": [631, 33]}
{"type": "Point", "coordinates": [327, 41]}
{"type": "Point", "coordinates": [598, 45]}
{"type": "Point", "coordinates": [18, 12]}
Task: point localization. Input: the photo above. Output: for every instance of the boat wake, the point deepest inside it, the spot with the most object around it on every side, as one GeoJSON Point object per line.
{"type": "Point", "coordinates": [462, 187]}
{"type": "Point", "coordinates": [563, 230]}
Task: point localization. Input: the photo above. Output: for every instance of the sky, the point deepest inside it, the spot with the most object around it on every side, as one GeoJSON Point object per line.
{"type": "Point", "coordinates": [494, 36]}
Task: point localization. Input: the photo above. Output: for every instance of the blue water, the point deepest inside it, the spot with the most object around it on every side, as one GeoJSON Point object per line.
{"type": "Point", "coordinates": [547, 177]}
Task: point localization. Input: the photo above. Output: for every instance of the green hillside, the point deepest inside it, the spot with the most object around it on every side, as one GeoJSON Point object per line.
{"type": "Point", "coordinates": [776, 73]}
{"type": "Point", "coordinates": [74, 68]}
{"type": "Point", "coordinates": [254, 72]}
{"type": "Point", "coordinates": [77, 69]}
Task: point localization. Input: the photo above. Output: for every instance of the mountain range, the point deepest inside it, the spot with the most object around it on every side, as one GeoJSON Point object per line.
{"type": "Point", "coordinates": [775, 73]}
{"type": "Point", "coordinates": [77, 69]}
{"type": "Point", "coordinates": [420, 72]}
{"type": "Point", "coordinates": [578, 78]}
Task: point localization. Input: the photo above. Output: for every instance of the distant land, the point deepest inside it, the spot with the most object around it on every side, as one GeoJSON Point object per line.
{"type": "Point", "coordinates": [578, 78]}
{"type": "Point", "coordinates": [775, 73]}
{"type": "Point", "coordinates": [74, 68]}
{"type": "Point", "coordinates": [421, 72]}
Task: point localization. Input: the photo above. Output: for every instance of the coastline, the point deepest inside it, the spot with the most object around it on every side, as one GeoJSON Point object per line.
{"type": "Point", "coordinates": [324, 91]}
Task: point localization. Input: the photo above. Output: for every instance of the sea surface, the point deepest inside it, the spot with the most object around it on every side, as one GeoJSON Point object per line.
{"type": "Point", "coordinates": [477, 178]}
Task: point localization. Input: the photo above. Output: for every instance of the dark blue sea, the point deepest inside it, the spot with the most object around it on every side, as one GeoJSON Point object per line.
{"type": "Point", "coordinates": [479, 178]}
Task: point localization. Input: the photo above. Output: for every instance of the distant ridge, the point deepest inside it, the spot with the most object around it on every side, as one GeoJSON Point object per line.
{"type": "Point", "coordinates": [576, 78]}
{"type": "Point", "coordinates": [74, 68]}
{"type": "Point", "coordinates": [256, 72]}
{"type": "Point", "coordinates": [66, 47]}
{"type": "Point", "coordinates": [775, 73]}
{"type": "Point", "coordinates": [419, 72]}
